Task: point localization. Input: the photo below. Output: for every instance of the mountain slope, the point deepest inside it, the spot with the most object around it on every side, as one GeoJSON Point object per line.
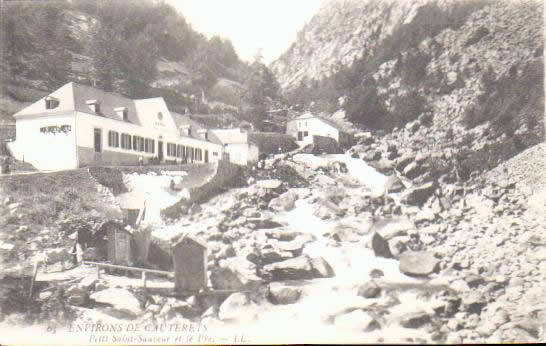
{"type": "Point", "coordinates": [438, 74]}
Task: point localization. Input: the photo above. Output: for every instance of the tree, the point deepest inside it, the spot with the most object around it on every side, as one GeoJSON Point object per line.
{"type": "Point", "coordinates": [261, 88]}
{"type": "Point", "coordinates": [104, 51]}
{"type": "Point", "coordinates": [138, 64]}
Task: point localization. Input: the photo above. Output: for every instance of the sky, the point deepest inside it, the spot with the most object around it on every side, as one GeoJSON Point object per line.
{"type": "Point", "coordinates": [269, 26]}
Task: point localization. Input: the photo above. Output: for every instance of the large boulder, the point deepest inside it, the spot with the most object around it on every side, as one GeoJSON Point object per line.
{"type": "Point", "coordinates": [238, 306]}
{"type": "Point", "coordinates": [299, 268]}
{"type": "Point", "coordinates": [357, 320]}
{"type": "Point", "coordinates": [285, 202]}
{"type": "Point", "coordinates": [415, 169]}
{"type": "Point", "coordinates": [404, 161]}
{"type": "Point", "coordinates": [387, 230]}
{"type": "Point", "coordinates": [369, 290]}
{"type": "Point", "coordinates": [418, 263]}
{"type": "Point", "coordinates": [321, 268]}
{"type": "Point", "coordinates": [418, 195]}
{"type": "Point", "coordinates": [281, 294]}
{"type": "Point", "coordinates": [121, 300]}
{"type": "Point", "coordinates": [235, 274]}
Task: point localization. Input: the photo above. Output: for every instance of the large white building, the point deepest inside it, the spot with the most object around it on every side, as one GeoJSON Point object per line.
{"type": "Point", "coordinates": [78, 126]}
{"type": "Point", "coordinates": [307, 125]}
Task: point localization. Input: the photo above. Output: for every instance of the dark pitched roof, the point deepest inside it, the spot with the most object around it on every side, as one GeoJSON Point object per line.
{"type": "Point", "coordinates": [184, 120]}
{"type": "Point", "coordinates": [323, 119]}
{"type": "Point", "coordinates": [108, 101]}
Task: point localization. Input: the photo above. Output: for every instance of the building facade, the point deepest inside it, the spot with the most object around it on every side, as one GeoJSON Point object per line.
{"type": "Point", "coordinates": [79, 126]}
{"type": "Point", "coordinates": [304, 127]}
{"type": "Point", "coordinates": [237, 145]}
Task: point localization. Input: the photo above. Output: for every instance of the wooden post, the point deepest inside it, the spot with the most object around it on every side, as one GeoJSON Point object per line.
{"type": "Point", "coordinates": [98, 272]}
{"type": "Point", "coordinates": [144, 280]}
{"type": "Point", "coordinates": [34, 273]}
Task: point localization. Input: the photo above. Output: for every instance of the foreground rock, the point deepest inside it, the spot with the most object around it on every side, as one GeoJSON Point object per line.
{"type": "Point", "coordinates": [418, 263]}
{"type": "Point", "coordinates": [386, 233]}
{"type": "Point", "coordinates": [280, 294]}
{"type": "Point", "coordinates": [121, 300]}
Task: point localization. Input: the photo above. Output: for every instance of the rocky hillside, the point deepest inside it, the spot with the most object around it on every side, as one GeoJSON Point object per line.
{"type": "Point", "coordinates": [461, 76]}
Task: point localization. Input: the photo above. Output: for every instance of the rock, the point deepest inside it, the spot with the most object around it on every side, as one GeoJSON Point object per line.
{"type": "Point", "coordinates": [418, 195]}
{"type": "Point", "coordinates": [298, 268]}
{"type": "Point", "coordinates": [272, 255]}
{"type": "Point", "coordinates": [279, 294]}
{"type": "Point", "coordinates": [269, 184]}
{"type": "Point", "coordinates": [235, 273]}
{"type": "Point", "coordinates": [120, 299]}
{"type": "Point", "coordinates": [372, 155]}
{"type": "Point", "coordinates": [473, 302]}
{"type": "Point", "coordinates": [285, 202]}
{"type": "Point", "coordinates": [321, 268]}
{"type": "Point", "coordinates": [380, 246]}
{"type": "Point", "coordinates": [415, 319]}
{"type": "Point", "coordinates": [394, 185]}
{"type": "Point", "coordinates": [8, 200]}
{"type": "Point", "coordinates": [76, 296]}
{"type": "Point", "coordinates": [376, 273]}
{"type": "Point", "coordinates": [234, 306]}
{"type": "Point", "coordinates": [195, 209]}
{"type": "Point", "coordinates": [57, 255]}
{"type": "Point", "coordinates": [369, 290]}
{"type": "Point", "coordinates": [398, 245]}
{"type": "Point", "coordinates": [154, 308]}
{"type": "Point", "coordinates": [404, 161]}
{"type": "Point", "coordinates": [414, 170]}
{"type": "Point", "coordinates": [418, 263]}
{"type": "Point", "coordinates": [88, 283]}
{"type": "Point", "coordinates": [357, 320]}
{"type": "Point", "coordinates": [226, 251]}
{"type": "Point", "coordinates": [387, 229]}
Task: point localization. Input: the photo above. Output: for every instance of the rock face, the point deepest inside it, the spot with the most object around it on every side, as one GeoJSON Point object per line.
{"type": "Point", "coordinates": [121, 300]}
{"type": "Point", "coordinates": [418, 263]}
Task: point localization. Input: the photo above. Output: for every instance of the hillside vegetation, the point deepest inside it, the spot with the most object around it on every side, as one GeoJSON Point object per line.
{"type": "Point", "coordinates": [466, 75]}
{"type": "Point", "coordinates": [138, 48]}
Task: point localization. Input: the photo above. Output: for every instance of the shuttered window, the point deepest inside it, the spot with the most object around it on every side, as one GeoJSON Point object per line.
{"type": "Point", "coordinates": [113, 139]}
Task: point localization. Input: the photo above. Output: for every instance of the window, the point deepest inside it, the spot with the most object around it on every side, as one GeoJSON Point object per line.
{"type": "Point", "coordinates": [125, 115]}
{"type": "Point", "coordinates": [171, 149]}
{"type": "Point", "coordinates": [113, 139]}
{"type": "Point", "coordinates": [51, 103]}
{"type": "Point", "coordinates": [159, 115]}
{"type": "Point", "coordinates": [125, 141]}
{"type": "Point", "coordinates": [149, 146]}
{"type": "Point", "coordinates": [305, 133]}
{"type": "Point", "coordinates": [138, 143]}
{"type": "Point", "coordinates": [180, 150]}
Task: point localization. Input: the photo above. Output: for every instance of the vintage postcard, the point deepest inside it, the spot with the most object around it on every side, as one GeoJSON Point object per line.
{"type": "Point", "coordinates": [270, 172]}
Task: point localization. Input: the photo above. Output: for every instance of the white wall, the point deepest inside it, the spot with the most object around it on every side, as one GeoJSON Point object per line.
{"type": "Point", "coordinates": [242, 154]}
{"type": "Point", "coordinates": [86, 123]}
{"type": "Point", "coordinates": [314, 126]}
{"type": "Point", "coordinates": [46, 151]}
